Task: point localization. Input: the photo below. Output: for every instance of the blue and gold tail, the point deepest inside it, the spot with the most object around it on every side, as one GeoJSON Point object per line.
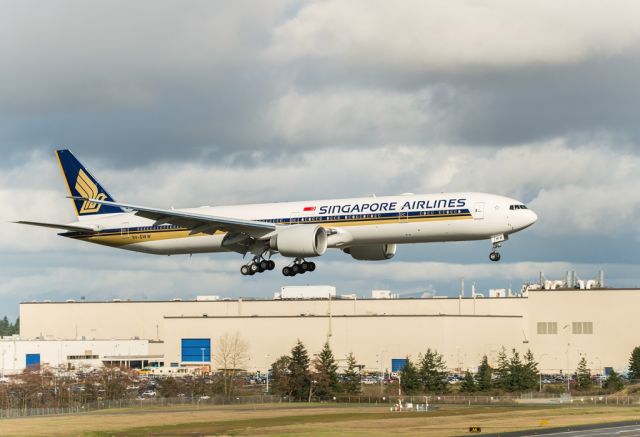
{"type": "Point", "coordinates": [82, 184]}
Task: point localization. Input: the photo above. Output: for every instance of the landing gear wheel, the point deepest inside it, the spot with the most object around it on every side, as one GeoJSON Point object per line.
{"type": "Point", "coordinates": [296, 269]}
{"type": "Point", "coordinates": [245, 270]}
{"type": "Point", "coordinates": [305, 266]}
{"type": "Point", "coordinates": [271, 265]}
{"type": "Point", "coordinates": [494, 256]}
{"type": "Point", "coordinates": [264, 265]}
{"type": "Point", "coordinates": [287, 271]}
{"type": "Point", "coordinates": [312, 266]}
{"type": "Point", "coordinates": [255, 268]}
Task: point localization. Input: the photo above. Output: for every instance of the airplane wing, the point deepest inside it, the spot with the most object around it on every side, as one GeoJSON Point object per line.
{"type": "Point", "coordinates": [57, 226]}
{"type": "Point", "coordinates": [197, 223]}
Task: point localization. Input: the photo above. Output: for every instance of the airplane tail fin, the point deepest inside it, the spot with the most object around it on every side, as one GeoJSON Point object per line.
{"type": "Point", "coordinates": [82, 184]}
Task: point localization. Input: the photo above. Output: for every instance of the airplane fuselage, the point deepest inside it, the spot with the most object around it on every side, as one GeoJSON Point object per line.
{"type": "Point", "coordinates": [359, 221]}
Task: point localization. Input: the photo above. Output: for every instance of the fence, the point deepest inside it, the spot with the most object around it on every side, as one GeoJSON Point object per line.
{"type": "Point", "coordinates": [196, 402]}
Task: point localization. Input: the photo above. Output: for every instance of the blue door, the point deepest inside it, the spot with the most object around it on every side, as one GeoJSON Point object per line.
{"type": "Point", "coordinates": [397, 364]}
{"type": "Point", "coordinates": [33, 360]}
{"type": "Point", "coordinates": [196, 350]}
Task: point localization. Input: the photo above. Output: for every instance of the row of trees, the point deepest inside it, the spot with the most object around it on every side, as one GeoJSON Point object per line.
{"type": "Point", "coordinates": [512, 374]}
{"type": "Point", "coordinates": [8, 328]}
{"type": "Point", "coordinates": [301, 378]}
{"type": "Point", "coordinates": [429, 374]}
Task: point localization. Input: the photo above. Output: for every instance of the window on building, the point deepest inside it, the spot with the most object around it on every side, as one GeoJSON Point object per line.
{"type": "Point", "coordinates": [542, 328]}
{"type": "Point", "coordinates": [576, 328]}
{"type": "Point", "coordinates": [582, 327]}
{"type": "Point", "coordinates": [82, 357]}
{"type": "Point", "coordinates": [547, 328]}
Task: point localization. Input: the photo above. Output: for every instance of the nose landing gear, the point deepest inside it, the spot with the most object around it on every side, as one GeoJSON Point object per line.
{"type": "Point", "coordinates": [299, 266]}
{"type": "Point", "coordinates": [258, 265]}
{"type": "Point", "coordinates": [495, 242]}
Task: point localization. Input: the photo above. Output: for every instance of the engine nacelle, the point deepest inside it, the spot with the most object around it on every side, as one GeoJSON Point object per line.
{"type": "Point", "coordinates": [300, 240]}
{"type": "Point", "coordinates": [372, 252]}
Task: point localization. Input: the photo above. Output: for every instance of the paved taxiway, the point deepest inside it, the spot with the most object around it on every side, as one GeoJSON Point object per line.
{"type": "Point", "coordinates": [622, 429]}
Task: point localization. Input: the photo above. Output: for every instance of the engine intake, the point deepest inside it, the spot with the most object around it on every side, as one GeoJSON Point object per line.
{"type": "Point", "coordinates": [371, 252]}
{"type": "Point", "coordinates": [300, 241]}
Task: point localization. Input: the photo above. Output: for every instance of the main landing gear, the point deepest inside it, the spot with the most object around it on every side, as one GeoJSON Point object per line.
{"type": "Point", "coordinates": [300, 265]}
{"type": "Point", "coordinates": [258, 265]}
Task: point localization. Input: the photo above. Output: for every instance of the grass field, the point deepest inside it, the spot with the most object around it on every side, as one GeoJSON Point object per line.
{"type": "Point", "coordinates": [310, 420]}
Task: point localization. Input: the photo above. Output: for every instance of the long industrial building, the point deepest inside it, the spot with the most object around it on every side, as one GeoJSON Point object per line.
{"type": "Point", "coordinates": [559, 326]}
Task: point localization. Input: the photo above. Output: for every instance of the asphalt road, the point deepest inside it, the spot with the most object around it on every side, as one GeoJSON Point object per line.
{"type": "Point", "coordinates": [621, 429]}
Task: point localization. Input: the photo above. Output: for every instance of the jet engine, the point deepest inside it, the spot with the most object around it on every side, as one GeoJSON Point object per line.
{"type": "Point", "coordinates": [372, 252]}
{"type": "Point", "coordinates": [300, 241]}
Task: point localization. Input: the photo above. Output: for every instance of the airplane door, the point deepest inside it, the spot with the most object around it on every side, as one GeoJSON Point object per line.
{"type": "Point", "coordinates": [124, 231]}
{"type": "Point", "coordinates": [403, 217]}
{"type": "Point", "coordinates": [295, 218]}
{"type": "Point", "coordinates": [478, 210]}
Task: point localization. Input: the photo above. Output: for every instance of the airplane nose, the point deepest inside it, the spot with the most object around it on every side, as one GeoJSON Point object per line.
{"type": "Point", "coordinates": [533, 217]}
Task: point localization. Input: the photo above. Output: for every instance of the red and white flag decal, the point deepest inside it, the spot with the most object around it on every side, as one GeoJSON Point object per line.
{"type": "Point", "coordinates": [309, 208]}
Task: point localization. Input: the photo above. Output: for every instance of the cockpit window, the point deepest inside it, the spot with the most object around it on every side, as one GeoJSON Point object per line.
{"type": "Point", "coordinates": [512, 207]}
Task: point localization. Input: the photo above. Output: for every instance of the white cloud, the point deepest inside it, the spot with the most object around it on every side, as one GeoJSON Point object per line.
{"type": "Point", "coordinates": [419, 35]}
{"type": "Point", "coordinates": [357, 116]}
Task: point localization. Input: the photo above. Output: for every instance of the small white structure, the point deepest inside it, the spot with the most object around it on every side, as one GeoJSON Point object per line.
{"type": "Point", "coordinates": [17, 354]}
{"type": "Point", "coordinates": [207, 298]}
{"type": "Point", "coordinates": [306, 292]}
{"type": "Point", "coordinates": [380, 294]}
{"type": "Point", "coordinates": [497, 292]}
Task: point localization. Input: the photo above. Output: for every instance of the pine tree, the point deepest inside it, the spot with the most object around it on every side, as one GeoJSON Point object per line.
{"type": "Point", "coordinates": [299, 378]}
{"type": "Point", "coordinates": [531, 374]}
{"type": "Point", "coordinates": [583, 375]}
{"type": "Point", "coordinates": [409, 378]}
{"type": "Point", "coordinates": [351, 384]}
{"type": "Point", "coordinates": [483, 377]}
{"type": "Point", "coordinates": [613, 382]}
{"type": "Point", "coordinates": [433, 372]}
{"type": "Point", "coordinates": [502, 370]}
{"type": "Point", "coordinates": [468, 383]}
{"type": "Point", "coordinates": [516, 373]}
{"type": "Point", "coordinates": [326, 372]}
{"type": "Point", "coordinates": [16, 327]}
{"type": "Point", "coordinates": [5, 326]}
{"type": "Point", "coordinates": [634, 364]}
{"type": "Point", "coordinates": [280, 381]}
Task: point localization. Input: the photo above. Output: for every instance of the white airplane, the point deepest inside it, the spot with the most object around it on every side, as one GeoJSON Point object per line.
{"type": "Point", "coordinates": [368, 228]}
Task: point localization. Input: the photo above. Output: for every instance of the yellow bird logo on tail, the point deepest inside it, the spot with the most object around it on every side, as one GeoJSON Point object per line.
{"type": "Point", "coordinates": [89, 190]}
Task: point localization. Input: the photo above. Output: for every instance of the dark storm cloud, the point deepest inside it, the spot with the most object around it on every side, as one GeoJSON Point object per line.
{"type": "Point", "coordinates": [139, 83]}
{"type": "Point", "coordinates": [535, 104]}
{"type": "Point", "coordinates": [135, 82]}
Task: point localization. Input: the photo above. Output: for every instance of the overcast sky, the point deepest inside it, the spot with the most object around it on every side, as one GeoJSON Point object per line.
{"type": "Point", "coordinates": [187, 103]}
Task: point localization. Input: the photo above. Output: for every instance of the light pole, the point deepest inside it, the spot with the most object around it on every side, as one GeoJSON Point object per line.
{"type": "Point", "coordinates": [380, 355]}
{"type": "Point", "coordinates": [202, 350]}
{"type": "Point", "coordinates": [268, 368]}
{"type": "Point", "coordinates": [568, 371]}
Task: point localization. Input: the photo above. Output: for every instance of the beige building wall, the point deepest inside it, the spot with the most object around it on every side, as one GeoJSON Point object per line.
{"type": "Point", "coordinates": [125, 320]}
{"type": "Point", "coordinates": [614, 316]}
{"type": "Point", "coordinates": [461, 339]}
{"type": "Point", "coordinates": [460, 328]}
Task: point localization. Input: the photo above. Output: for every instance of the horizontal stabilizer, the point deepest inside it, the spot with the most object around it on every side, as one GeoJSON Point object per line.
{"type": "Point", "coordinates": [56, 226]}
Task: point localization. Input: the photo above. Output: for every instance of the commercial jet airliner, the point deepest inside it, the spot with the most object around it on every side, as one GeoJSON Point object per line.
{"type": "Point", "coordinates": [367, 228]}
